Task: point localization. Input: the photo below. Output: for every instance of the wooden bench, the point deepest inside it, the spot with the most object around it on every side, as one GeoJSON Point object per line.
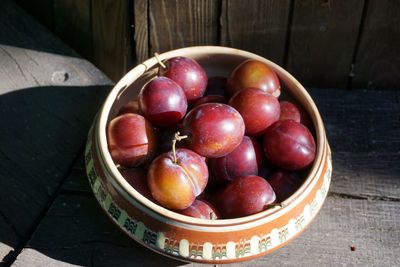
{"type": "Point", "coordinates": [49, 217]}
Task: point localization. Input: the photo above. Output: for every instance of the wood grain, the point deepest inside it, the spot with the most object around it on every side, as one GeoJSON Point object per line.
{"type": "Point", "coordinates": [371, 226]}
{"type": "Point", "coordinates": [323, 39]}
{"type": "Point", "coordinates": [367, 176]}
{"type": "Point", "coordinates": [175, 24]}
{"type": "Point", "coordinates": [360, 121]}
{"type": "Point", "coordinates": [92, 239]}
{"type": "Point", "coordinates": [72, 24]}
{"type": "Point", "coordinates": [48, 97]}
{"type": "Point", "coordinates": [378, 58]}
{"type": "Point", "coordinates": [141, 30]}
{"type": "Point", "coordinates": [111, 42]}
{"type": "Point", "coordinates": [31, 56]}
{"type": "Point", "coordinates": [256, 26]}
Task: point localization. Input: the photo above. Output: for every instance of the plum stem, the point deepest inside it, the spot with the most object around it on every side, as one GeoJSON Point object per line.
{"type": "Point", "coordinates": [177, 137]}
{"type": "Point", "coordinates": [157, 56]}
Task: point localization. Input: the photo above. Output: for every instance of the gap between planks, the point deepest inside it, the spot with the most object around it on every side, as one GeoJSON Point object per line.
{"type": "Point", "coordinates": [10, 258]}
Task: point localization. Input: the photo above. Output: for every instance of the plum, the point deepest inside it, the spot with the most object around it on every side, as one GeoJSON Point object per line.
{"type": "Point", "coordinates": [175, 180]}
{"type": "Point", "coordinates": [258, 109]}
{"type": "Point", "coordinates": [201, 209]}
{"type": "Point", "coordinates": [131, 139]}
{"type": "Point", "coordinates": [188, 74]}
{"type": "Point", "coordinates": [163, 102]}
{"type": "Point", "coordinates": [289, 111]}
{"type": "Point", "coordinates": [289, 145]}
{"type": "Point", "coordinates": [245, 160]}
{"type": "Point", "coordinates": [244, 196]}
{"type": "Point", "coordinates": [253, 73]}
{"type": "Point", "coordinates": [214, 129]}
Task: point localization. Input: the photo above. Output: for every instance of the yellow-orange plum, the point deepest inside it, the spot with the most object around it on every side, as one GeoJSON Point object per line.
{"type": "Point", "coordinates": [175, 185]}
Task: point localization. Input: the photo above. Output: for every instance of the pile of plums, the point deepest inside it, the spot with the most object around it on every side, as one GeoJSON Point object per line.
{"type": "Point", "coordinates": [213, 147]}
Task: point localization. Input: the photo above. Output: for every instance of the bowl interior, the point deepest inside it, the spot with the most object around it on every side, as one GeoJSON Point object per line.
{"type": "Point", "coordinates": [217, 61]}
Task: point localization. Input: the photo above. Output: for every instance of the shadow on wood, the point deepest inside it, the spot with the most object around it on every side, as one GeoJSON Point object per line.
{"type": "Point", "coordinates": [42, 135]}
{"type": "Point", "coordinates": [42, 131]}
{"type": "Point", "coordinates": [76, 231]}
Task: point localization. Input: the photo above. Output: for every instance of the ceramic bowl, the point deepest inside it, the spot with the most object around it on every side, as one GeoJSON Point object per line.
{"type": "Point", "coordinates": [192, 239]}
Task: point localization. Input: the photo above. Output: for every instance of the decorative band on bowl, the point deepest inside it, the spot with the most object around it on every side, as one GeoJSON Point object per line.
{"type": "Point", "coordinates": [206, 251]}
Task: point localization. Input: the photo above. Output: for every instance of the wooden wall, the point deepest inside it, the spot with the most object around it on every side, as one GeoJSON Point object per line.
{"type": "Point", "coordinates": [323, 43]}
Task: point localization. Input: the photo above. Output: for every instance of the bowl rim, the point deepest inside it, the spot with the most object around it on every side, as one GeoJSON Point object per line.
{"type": "Point", "coordinates": [116, 178]}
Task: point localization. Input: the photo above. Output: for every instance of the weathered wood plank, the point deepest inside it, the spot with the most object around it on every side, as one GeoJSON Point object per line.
{"type": "Point", "coordinates": [367, 175]}
{"type": "Point", "coordinates": [371, 226]}
{"type": "Point", "coordinates": [23, 68]}
{"type": "Point", "coordinates": [363, 131]}
{"type": "Point", "coordinates": [91, 239]}
{"type": "Point", "coordinates": [48, 97]}
{"type": "Point", "coordinates": [323, 39]}
{"type": "Point", "coordinates": [40, 9]}
{"type": "Point", "coordinates": [31, 56]}
{"type": "Point", "coordinates": [378, 58]}
{"type": "Point", "coordinates": [77, 181]}
{"type": "Point", "coordinates": [257, 26]}
{"type": "Point", "coordinates": [360, 121]}
{"type": "Point", "coordinates": [39, 140]}
{"type": "Point", "coordinates": [111, 42]}
{"type": "Point", "coordinates": [175, 24]}
{"type": "Point", "coordinates": [72, 24]}
{"type": "Point", "coordinates": [140, 13]}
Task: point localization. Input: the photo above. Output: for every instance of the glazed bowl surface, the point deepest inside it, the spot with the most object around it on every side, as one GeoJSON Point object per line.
{"type": "Point", "coordinates": [192, 239]}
